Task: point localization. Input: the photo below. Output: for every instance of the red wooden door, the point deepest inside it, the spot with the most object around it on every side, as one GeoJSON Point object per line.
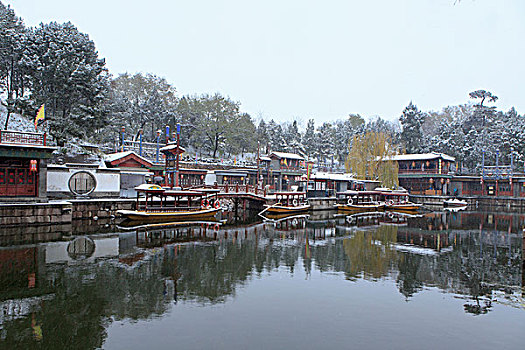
{"type": "Point", "coordinates": [16, 180]}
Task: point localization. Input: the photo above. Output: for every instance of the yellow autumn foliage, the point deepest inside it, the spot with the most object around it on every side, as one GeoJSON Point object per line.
{"type": "Point", "coordinates": [370, 158]}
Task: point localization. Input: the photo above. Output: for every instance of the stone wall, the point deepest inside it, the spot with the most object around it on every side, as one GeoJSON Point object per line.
{"type": "Point", "coordinates": [23, 215]}
{"type": "Point", "coordinates": [99, 208]}
{"type": "Point", "coordinates": [35, 213]}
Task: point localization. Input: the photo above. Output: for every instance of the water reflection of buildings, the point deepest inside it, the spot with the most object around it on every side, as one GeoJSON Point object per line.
{"type": "Point", "coordinates": [143, 272]}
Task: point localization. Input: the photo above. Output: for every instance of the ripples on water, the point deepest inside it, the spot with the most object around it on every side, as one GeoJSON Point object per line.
{"type": "Point", "coordinates": [375, 281]}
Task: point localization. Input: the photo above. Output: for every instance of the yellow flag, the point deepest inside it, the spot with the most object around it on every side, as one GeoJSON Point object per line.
{"type": "Point", "coordinates": [41, 115]}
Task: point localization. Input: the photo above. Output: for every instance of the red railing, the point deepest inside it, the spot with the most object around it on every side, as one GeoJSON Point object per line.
{"type": "Point", "coordinates": [420, 171]}
{"type": "Point", "coordinates": [22, 138]}
{"type": "Point", "coordinates": [242, 189]}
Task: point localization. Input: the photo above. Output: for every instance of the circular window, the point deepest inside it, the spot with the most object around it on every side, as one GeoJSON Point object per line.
{"type": "Point", "coordinates": [82, 183]}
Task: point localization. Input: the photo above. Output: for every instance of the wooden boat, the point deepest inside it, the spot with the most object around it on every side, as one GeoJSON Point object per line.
{"type": "Point", "coordinates": [288, 202]}
{"type": "Point", "coordinates": [398, 201]}
{"type": "Point", "coordinates": [359, 201]}
{"type": "Point", "coordinates": [161, 204]}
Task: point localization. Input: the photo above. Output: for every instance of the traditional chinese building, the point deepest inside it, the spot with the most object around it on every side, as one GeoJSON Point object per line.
{"type": "Point", "coordinates": [426, 173]}
{"type": "Point", "coordinates": [23, 165]}
{"type": "Point", "coordinates": [172, 152]}
{"type": "Point", "coordinates": [291, 168]}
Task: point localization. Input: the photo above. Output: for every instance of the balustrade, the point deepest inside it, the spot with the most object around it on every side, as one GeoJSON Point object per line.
{"type": "Point", "coordinates": [22, 138]}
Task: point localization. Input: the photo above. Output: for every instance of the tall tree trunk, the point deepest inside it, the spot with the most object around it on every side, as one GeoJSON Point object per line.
{"type": "Point", "coordinates": [216, 145]}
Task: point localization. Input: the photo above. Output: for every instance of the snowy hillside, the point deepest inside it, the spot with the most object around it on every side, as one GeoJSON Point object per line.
{"type": "Point", "coordinates": [16, 121]}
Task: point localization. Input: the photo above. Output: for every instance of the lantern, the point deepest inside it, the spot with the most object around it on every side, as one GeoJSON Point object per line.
{"type": "Point", "coordinates": [413, 164]}
{"type": "Point", "coordinates": [442, 181]}
{"type": "Point", "coordinates": [32, 165]}
{"type": "Point", "coordinates": [428, 163]}
{"type": "Point", "coordinates": [448, 181]}
{"type": "Point", "coordinates": [431, 180]}
{"type": "Point", "coordinates": [202, 177]}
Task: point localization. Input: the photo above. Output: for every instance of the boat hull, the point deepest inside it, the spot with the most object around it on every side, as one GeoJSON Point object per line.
{"type": "Point", "coordinates": [279, 209]}
{"type": "Point", "coordinates": [403, 207]}
{"type": "Point", "coordinates": [355, 208]}
{"type": "Point", "coordinates": [144, 216]}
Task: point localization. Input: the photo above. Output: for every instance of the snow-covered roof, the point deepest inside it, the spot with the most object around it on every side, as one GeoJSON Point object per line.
{"type": "Point", "coordinates": [172, 146]}
{"type": "Point", "coordinates": [286, 155]}
{"type": "Point", "coordinates": [423, 156]}
{"type": "Point", "coordinates": [332, 176]}
{"type": "Point", "coordinates": [264, 158]}
{"type": "Point", "coordinates": [119, 155]}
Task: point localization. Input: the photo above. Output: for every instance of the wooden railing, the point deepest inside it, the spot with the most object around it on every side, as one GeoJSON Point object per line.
{"type": "Point", "coordinates": [22, 138]}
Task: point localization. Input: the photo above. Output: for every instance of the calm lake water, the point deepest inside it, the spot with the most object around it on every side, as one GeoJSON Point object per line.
{"type": "Point", "coordinates": [377, 281]}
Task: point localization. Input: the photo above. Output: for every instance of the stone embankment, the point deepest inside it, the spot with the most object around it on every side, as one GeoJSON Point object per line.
{"type": "Point", "coordinates": [63, 212]}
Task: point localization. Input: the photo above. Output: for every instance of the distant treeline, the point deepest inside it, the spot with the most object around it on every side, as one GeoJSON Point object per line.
{"type": "Point", "coordinates": [57, 65]}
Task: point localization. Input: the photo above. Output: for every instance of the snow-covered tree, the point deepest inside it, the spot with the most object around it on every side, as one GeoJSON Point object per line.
{"type": "Point", "coordinates": [326, 142]}
{"type": "Point", "coordinates": [293, 138]}
{"type": "Point", "coordinates": [68, 76]}
{"type": "Point", "coordinates": [144, 102]}
{"type": "Point", "coordinates": [309, 139]}
{"type": "Point", "coordinates": [13, 80]}
{"type": "Point", "coordinates": [262, 136]}
{"type": "Point", "coordinates": [411, 136]}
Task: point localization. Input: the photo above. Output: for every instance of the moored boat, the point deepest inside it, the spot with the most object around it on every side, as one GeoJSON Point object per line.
{"type": "Point", "coordinates": [398, 201]}
{"type": "Point", "coordinates": [161, 204]}
{"type": "Point", "coordinates": [359, 201]}
{"type": "Point", "coordinates": [288, 202]}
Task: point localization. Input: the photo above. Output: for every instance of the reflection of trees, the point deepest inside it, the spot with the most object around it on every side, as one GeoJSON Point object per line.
{"type": "Point", "coordinates": [371, 252]}
{"type": "Point", "coordinates": [408, 280]}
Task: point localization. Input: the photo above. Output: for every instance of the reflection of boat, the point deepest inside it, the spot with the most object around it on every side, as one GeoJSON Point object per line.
{"type": "Point", "coordinates": [448, 203]}
{"type": "Point", "coordinates": [132, 224]}
{"type": "Point", "coordinates": [171, 205]}
{"type": "Point", "coordinates": [359, 201]}
{"type": "Point", "coordinates": [365, 218]}
{"type": "Point", "coordinates": [399, 202]}
{"type": "Point", "coordinates": [280, 217]}
{"type": "Point", "coordinates": [455, 209]}
{"type": "Point", "coordinates": [288, 202]}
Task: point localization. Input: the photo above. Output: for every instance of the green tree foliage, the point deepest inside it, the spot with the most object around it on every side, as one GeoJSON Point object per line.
{"type": "Point", "coordinates": [370, 157]}
{"type": "Point", "coordinates": [68, 76]}
{"type": "Point", "coordinates": [220, 123]}
{"type": "Point", "coordinates": [141, 102]}
{"type": "Point", "coordinates": [239, 137]}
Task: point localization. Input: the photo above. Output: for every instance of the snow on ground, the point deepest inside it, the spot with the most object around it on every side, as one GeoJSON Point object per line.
{"type": "Point", "coordinates": [16, 121]}
{"type": "Point", "coordinates": [72, 151]}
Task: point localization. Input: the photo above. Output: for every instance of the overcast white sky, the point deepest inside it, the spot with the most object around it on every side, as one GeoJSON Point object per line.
{"type": "Point", "coordinates": [301, 59]}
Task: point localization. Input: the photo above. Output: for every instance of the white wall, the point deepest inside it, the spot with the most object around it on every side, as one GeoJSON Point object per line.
{"type": "Point", "coordinates": [108, 181]}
